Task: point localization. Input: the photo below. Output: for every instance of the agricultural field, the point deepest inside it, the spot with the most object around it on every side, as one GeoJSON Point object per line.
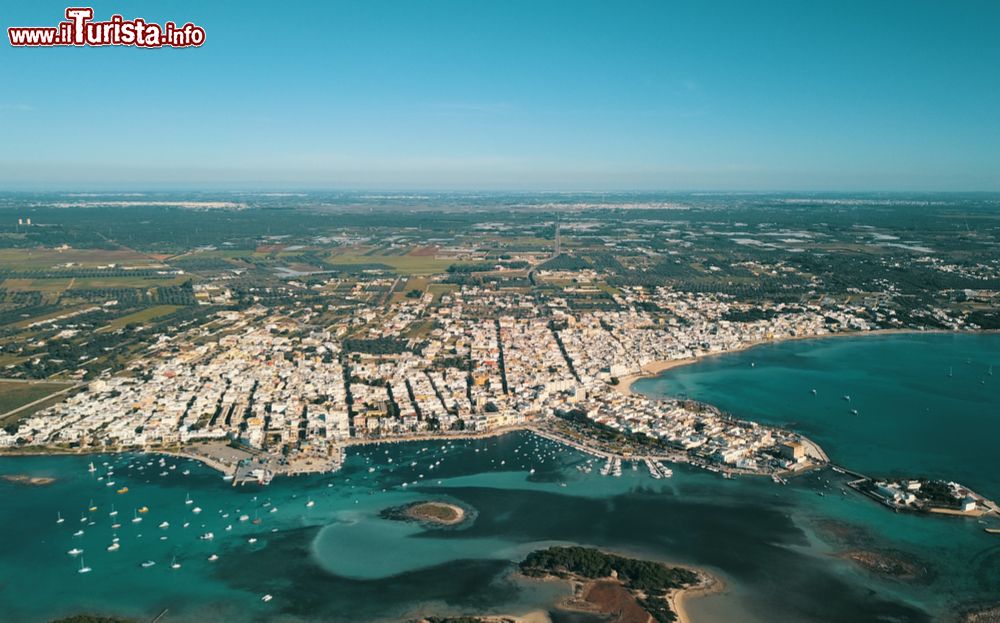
{"type": "Point", "coordinates": [16, 394]}
{"type": "Point", "coordinates": [140, 317]}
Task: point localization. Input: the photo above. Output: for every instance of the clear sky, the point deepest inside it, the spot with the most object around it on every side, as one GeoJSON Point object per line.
{"type": "Point", "coordinates": [515, 94]}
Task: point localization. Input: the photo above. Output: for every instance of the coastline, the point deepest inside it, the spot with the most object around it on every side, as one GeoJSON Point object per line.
{"type": "Point", "coordinates": [655, 368]}
{"type": "Point", "coordinates": [649, 370]}
{"type": "Point", "coordinates": [678, 599]}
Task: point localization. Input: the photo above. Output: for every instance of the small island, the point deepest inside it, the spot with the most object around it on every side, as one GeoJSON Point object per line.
{"type": "Point", "coordinates": [427, 512]}
{"type": "Point", "coordinates": [28, 481]}
{"type": "Point", "coordinates": [635, 590]}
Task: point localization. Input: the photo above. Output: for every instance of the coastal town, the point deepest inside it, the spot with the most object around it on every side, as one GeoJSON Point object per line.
{"type": "Point", "coordinates": [294, 396]}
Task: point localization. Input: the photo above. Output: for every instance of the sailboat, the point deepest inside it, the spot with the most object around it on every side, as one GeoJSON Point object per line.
{"type": "Point", "coordinates": [59, 518]}
{"type": "Point", "coordinates": [113, 512]}
{"type": "Point", "coordinates": [83, 567]}
{"type": "Point", "coordinates": [91, 469]}
{"type": "Point", "coordinates": [187, 499]}
{"type": "Point", "coordinates": [136, 518]}
{"type": "Point", "coordinates": [175, 564]}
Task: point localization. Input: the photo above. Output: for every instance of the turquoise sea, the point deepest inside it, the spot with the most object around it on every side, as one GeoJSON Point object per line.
{"type": "Point", "coordinates": [776, 547]}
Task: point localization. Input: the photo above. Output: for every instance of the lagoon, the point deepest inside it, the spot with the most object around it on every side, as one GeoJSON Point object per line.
{"type": "Point", "coordinates": [777, 548]}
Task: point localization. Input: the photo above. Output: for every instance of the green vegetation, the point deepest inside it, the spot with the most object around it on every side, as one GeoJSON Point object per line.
{"type": "Point", "coordinates": [590, 563]}
{"type": "Point", "coordinates": [15, 394]}
{"type": "Point", "coordinates": [140, 317]}
{"type": "Point", "coordinates": [378, 346]}
{"type": "Point", "coordinates": [648, 581]}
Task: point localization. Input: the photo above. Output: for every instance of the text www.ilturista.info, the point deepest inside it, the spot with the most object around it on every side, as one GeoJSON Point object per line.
{"type": "Point", "coordinates": [79, 29]}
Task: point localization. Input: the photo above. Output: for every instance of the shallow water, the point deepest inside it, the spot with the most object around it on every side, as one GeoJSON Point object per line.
{"type": "Point", "coordinates": [774, 546]}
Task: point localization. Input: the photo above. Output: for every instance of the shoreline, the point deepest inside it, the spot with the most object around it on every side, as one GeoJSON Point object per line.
{"type": "Point", "coordinates": [655, 368]}
{"type": "Point", "coordinates": [709, 584]}
{"type": "Point", "coordinates": [649, 370]}
{"type": "Point", "coordinates": [677, 599]}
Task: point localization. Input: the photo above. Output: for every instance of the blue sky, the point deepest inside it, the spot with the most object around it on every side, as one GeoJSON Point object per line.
{"type": "Point", "coordinates": [515, 94]}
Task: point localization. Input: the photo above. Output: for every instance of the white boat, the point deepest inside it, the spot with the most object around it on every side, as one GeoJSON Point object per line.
{"type": "Point", "coordinates": [59, 518]}
{"type": "Point", "coordinates": [175, 564]}
{"type": "Point", "coordinates": [252, 540]}
{"type": "Point", "coordinates": [114, 547]}
{"type": "Point", "coordinates": [165, 525]}
{"type": "Point", "coordinates": [229, 527]}
{"type": "Point", "coordinates": [113, 512]}
{"type": "Point", "coordinates": [76, 551]}
{"type": "Point", "coordinates": [208, 536]}
{"type": "Point", "coordinates": [266, 598]}
{"type": "Point", "coordinates": [78, 533]}
{"type": "Point", "coordinates": [196, 510]}
{"type": "Point", "coordinates": [148, 564]}
{"type": "Point", "coordinates": [310, 504]}
{"type": "Point", "coordinates": [115, 526]}
{"type": "Point", "coordinates": [136, 518]}
{"type": "Point", "coordinates": [83, 567]}
{"type": "Point", "coordinates": [188, 500]}
{"type": "Point", "coordinates": [213, 558]}
{"type": "Point", "coordinates": [91, 468]}
{"type": "Point", "coordinates": [244, 517]}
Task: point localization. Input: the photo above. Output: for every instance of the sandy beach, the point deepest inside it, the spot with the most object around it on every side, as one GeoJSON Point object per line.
{"type": "Point", "coordinates": [655, 368]}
